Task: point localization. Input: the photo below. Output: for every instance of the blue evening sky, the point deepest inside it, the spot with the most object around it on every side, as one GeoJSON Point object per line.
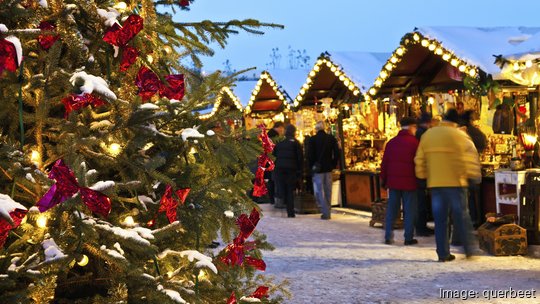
{"type": "Point", "coordinates": [345, 25]}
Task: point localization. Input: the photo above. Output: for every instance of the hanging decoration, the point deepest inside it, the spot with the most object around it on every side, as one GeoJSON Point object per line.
{"type": "Point", "coordinates": [149, 84]}
{"type": "Point", "coordinates": [11, 215]}
{"type": "Point", "coordinates": [184, 3]}
{"type": "Point", "coordinates": [259, 293]}
{"type": "Point", "coordinates": [119, 36]}
{"type": "Point", "coordinates": [264, 163]}
{"type": "Point", "coordinates": [46, 41]}
{"type": "Point", "coordinates": [66, 186]}
{"type": "Point", "coordinates": [236, 251]}
{"type": "Point", "coordinates": [10, 54]}
{"type": "Point", "coordinates": [76, 102]}
{"type": "Point", "coordinates": [169, 204]}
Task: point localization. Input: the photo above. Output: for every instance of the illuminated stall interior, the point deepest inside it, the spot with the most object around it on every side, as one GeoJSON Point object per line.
{"type": "Point", "coordinates": [437, 68]}
{"type": "Point", "coordinates": [270, 101]}
{"type": "Point", "coordinates": [333, 92]}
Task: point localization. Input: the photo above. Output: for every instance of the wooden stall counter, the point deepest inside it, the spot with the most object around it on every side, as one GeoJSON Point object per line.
{"type": "Point", "coordinates": [361, 188]}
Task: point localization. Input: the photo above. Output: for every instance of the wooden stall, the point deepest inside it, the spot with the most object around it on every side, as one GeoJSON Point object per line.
{"type": "Point", "coordinates": [333, 93]}
{"type": "Point", "coordinates": [437, 68]}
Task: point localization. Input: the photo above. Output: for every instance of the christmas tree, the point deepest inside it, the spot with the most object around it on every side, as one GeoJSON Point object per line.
{"type": "Point", "coordinates": [111, 188]}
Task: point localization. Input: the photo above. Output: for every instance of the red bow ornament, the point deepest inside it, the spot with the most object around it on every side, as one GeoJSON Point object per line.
{"type": "Point", "coordinates": [169, 204]}
{"type": "Point", "coordinates": [11, 215]}
{"type": "Point", "coordinates": [264, 163]}
{"type": "Point", "coordinates": [76, 102]}
{"type": "Point", "coordinates": [66, 186]}
{"type": "Point", "coordinates": [46, 41]}
{"type": "Point", "coordinates": [119, 36]}
{"type": "Point", "coordinates": [149, 84]}
{"type": "Point", "coordinates": [262, 291]}
{"type": "Point", "coordinates": [184, 3]}
{"type": "Point", "coordinates": [236, 252]}
{"type": "Point", "coordinates": [10, 53]}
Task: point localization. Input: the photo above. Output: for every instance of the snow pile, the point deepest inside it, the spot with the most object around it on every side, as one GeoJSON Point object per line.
{"type": "Point", "coordinates": [7, 205]}
{"type": "Point", "coordinates": [203, 260]}
{"type": "Point", "coordinates": [51, 250]}
{"type": "Point", "coordinates": [127, 234]}
{"type": "Point", "coordinates": [18, 47]}
{"type": "Point", "coordinates": [149, 106]}
{"type": "Point", "coordinates": [191, 133]}
{"type": "Point", "coordinates": [174, 295]}
{"type": "Point", "coordinates": [92, 83]}
{"type": "Point", "coordinates": [91, 172]}
{"type": "Point", "coordinates": [210, 133]}
{"type": "Point", "coordinates": [229, 214]}
{"type": "Point", "coordinates": [3, 28]}
{"type": "Point", "coordinates": [250, 299]}
{"type": "Point", "coordinates": [43, 3]}
{"type": "Point", "coordinates": [102, 185]}
{"type": "Point", "coordinates": [115, 254]}
{"type": "Point", "coordinates": [30, 177]}
{"type": "Point", "coordinates": [109, 17]}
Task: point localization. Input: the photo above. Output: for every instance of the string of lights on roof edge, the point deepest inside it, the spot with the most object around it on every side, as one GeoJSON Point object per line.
{"type": "Point", "coordinates": [433, 46]}
{"type": "Point", "coordinates": [217, 104]}
{"type": "Point", "coordinates": [336, 69]}
{"type": "Point", "coordinates": [265, 76]}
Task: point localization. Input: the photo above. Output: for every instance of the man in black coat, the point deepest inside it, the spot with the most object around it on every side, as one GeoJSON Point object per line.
{"type": "Point", "coordinates": [323, 157]}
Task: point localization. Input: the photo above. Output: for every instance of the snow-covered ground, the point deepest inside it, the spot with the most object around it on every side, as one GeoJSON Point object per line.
{"type": "Point", "coordinates": [345, 261]}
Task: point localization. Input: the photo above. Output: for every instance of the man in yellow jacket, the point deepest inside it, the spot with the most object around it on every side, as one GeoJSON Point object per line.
{"type": "Point", "coordinates": [447, 158]}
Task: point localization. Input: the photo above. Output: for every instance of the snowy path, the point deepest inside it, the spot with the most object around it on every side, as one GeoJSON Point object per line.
{"type": "Point", "coordinates": [344, 261]}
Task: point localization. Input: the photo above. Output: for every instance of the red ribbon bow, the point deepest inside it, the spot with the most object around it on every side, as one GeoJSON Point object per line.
{"type": "Point", "coordinates": [120, 35]}
{"type": "Point", "coordinates": [236, 252]}
{"type": "Point", "coordinates": [169, 204]}
{"type": "Point", "coordinates": [5, 226]}
{"type": "Point", "coordinates": [264, 163]}
{"type": "Point", "coordinates": [262, 291]}
{"type": "Point", "coordinates": [46, 41]}
{"type": "Point", "coordinates": [184, 3]}
{"type": "Point", "coordinates": [8, 56]}
{"type": "Point", "coordinates": [66, 186]}
{"type": "Point", "coordinates": [76, 102]}
{"type": "Point", "coordinates": [149, 84]}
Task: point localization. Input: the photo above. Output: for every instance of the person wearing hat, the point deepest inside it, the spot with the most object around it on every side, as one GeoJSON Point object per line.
{"type": "Point", "coordinates": [447, 158]}
{"type": "Point", "coordinates": [398, 176]}
{"type": "Point", "coordinates": [424, 208]}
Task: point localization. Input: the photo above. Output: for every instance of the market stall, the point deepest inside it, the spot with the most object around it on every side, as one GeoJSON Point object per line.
{"type": "Point", "coordinates": [270, 100]}
{"type": "Point", "coordinates": [333, 93]}
{"type": "Point", "coordinates": [437, 68]}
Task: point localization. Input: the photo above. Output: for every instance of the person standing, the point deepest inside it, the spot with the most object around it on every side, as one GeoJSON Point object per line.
{"type": "Point", "coordinates": [447, 158]}
{"type": "Point", "coordinates": [423, 210]}
{"type": "Point", "coordinates": [277, 130]}
{"type": "Point", "coordinates": [397, 174]}
{"type": "Point", "coordinates": [323, 157]}
{"type": "Point", "coordinates": [288, 167]}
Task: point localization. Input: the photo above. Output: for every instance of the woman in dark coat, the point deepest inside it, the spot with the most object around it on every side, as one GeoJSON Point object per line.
{"type": "Point", "coordinates": [288, 169]}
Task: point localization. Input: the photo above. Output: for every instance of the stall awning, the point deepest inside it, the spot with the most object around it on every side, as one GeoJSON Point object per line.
{"type": "Point", "coordinates": [226, 101]}
{"type": "Point", "coordinates": [342, 76]}
{"type": "Point", "coordinates": [436, 58]}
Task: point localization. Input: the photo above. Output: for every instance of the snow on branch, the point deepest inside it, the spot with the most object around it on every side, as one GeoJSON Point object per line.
{"type": "Point", "coordinates": [102, 185]}
{"type": "Point", "coordinates": [109, 17]}
{"type": "Point", "coordinates": [174, 295]}
{"type": "Point", "coordinates": [51, 250]}
{"type": "Point", "coordinates": [92, 83]}
{"type": "Point", "coordinates": [7, 205]}
{"type": "Point", "coordinates": [202, 260]}
{"type": "Point", "coordinates": [191, 133]}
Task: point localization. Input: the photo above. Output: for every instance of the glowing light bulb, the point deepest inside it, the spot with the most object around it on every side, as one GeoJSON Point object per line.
{"type": "Point", "coordinates": [41, 221]}
{"type": "Point", "coordinates": [305, 86]}
{"type": "Point", "coordinates": [167, 49]}
{"type": "Point", "coordinates": [432, 47]}
{"type": "Point", "coordinates": [462, 68]}
{"type": "Point", "coordinates": [416, 37]}
{"type": "Point", "coordinates": [409, 99]}
{"type": "Point", "coordinates": [129, 221]}
{"type": "Point", "coordinates": [438, 51]}
{"type": "Point", "coordinates": [346, 82]}
{"type": "Point", "coordinates": [378, 82]}
{"type": "Point", "coordinates": [351, 86]}
{"type": "Point", "coordinates": [389, 66]}
{"type": "Point", "coordinates": [120, 6]}
{"type": "Point", "coordinates": [356, 92]}
{"type": "Point", "coordinates": [446, 57]}
{"type": "Point", "coordinates": [114, 149]}
{"type": "Point", "coordinates": [516, 66]}
{"type": "Point", "coordinates": [472, 72]}
{"type": "Point", "coordinates": [393, 59]}
{"type": "Point", "coordinates": [425, 43]}
{"type": "Point", "coordinates": [454, 62]}
{"type": "Point", "coordinates": [431, 100]}
{"type": "Point", "coordinates": [372, 91]}
{"type": "Point", "coordinates": [202, 275]}
{"type": "Point", "coordinates": [150, 58]}
{"type": "Point", "coordinates": [83, 261]}
{"type": "Point", "coordinates": [528, 63]}
{"type": "Point", "coordinates": [383, 74]}
{"type": "Point", "coordinates": [316, 68]}
{"type": "Point", "coordinates": [400, 51]}
{"type": "Point", "coordinates": [312, 73]}
{"type": "Point", "coordinates": [35, 157]}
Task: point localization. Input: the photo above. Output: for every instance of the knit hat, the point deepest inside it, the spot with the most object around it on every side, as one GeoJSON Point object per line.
{"type": "Point", "coordinates": [407, 121]}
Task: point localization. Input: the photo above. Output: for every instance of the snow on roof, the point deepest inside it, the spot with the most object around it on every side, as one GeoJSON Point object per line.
{"type": "Point", "coordinates": [243, 89]}
{"type": "Point", "coordinates": [528, 50]}
{"type": "Point", "coordinates": [290, 81]}
{"type": "Point", "coordinates": [477, 45]}
{"type": "Point", "coordinates": [361, 67]}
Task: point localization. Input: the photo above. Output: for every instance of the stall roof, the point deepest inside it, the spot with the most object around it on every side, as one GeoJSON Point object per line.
{"type": "Point", "coordinates": [225, 98]}
{"type": "Point", "coordinates": [243, 89]}
{"type": "Point", "coordinates": [270, 95]}
{"type": "Point", "coordinates": [340, 75]}
{"type": "Point", "coordinates": [440, 56]}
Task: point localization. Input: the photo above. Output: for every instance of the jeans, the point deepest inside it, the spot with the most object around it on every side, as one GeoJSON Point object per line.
{"type": "Point", "coordinates": [410, 200]}
{"type": "Point", "coordinates": [446, 201]}
{"type": "Point", "coordinates": [322, 188]}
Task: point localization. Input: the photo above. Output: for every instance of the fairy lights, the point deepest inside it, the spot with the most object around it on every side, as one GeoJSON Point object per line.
{"type": "Point", "coordinates": [433, 46]}
{"type": "Point", "coordinates": [224, 91]}
{"type": "Point", "coordinates": [336, 70]}
{"type": "Point", "coordinates": [265, 77]}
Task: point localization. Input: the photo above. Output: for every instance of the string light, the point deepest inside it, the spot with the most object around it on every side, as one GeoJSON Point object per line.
{"type": "Point", "coordinates": [409, 99]}
{"type": "Point", "coordinates": [129, 221]}
{"type": "Point", "coordinates": [35, 157]}
{"type": "Point", "coordinates": [120, 6]}
{"type": "Point", "coordinates": [41, 221]}
{"type": "Point", "coordinates": [431, 100]}
{"type": "Point", "coordinates": [115, 149]}
{"type": "Point", "coordinates": [83, 261]}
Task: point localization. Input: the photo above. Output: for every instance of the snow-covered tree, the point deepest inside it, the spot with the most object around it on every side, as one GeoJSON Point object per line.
{"type": "Point", "coordinates": [111, 188]}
